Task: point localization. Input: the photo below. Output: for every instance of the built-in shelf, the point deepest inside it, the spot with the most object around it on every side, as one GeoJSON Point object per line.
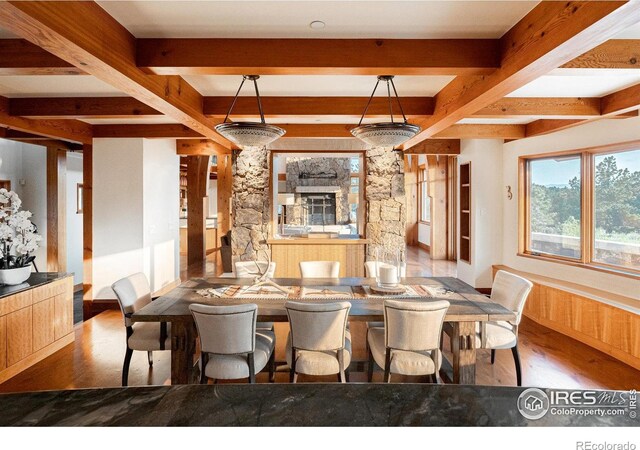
{"type": "Point", "coordinates": [465, 212]}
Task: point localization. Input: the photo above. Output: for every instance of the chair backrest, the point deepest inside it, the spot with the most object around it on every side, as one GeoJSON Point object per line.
{"type": "Point", "coordinates": [133, 293]}
{"type": "Point", "coordinates": [318, 326]}
{"type": "Point", "coordinates": [511, 291]}
{"type": "Point", "coordinates": [370, 269]}
{"type": "Point", "coordinates": [320, 269]}
{"type": "Point", "coordinates": [251, 269]}
{"type": "Point", "coordinates": [414, 326]}
{"type": "Point", "coordinates": [226, 330]}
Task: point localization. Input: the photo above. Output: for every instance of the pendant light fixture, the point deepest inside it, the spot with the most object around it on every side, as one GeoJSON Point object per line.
{"type": "Point", "coordinates": [385, 134]}
{"type": "Point", "coordinates": [249, 134]}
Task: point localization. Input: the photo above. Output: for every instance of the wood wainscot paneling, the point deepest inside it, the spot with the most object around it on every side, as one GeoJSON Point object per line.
{"type": "Point", "coordinates": [572, 310]}
{"type": "Point", "coordinates": [35, 324]}
{"type": "Point", "coordinates": [288, 253]}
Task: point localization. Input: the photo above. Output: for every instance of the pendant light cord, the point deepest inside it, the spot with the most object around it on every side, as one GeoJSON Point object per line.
{"type": "Point", "coordinates": [235, 99]}
{"type": "Point", "coordinates": [389, 81]}
{"type": "Point", "coordinates": [369, 102]}
{"type": "Point", "coordinates": [399, 104]}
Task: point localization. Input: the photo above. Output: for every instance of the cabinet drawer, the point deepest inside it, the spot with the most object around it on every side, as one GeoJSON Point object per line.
{"type": "Point", "coordinates": [15, 302]}
{"type": "Point", "coordinates": [51, 290]}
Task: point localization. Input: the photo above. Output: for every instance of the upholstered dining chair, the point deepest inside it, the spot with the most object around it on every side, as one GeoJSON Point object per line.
{"type": "Point", "coordinates": [133, 293]}
{"type": "Point", "coordinates": [320, 269]}
{"type": "Point", "coordinates": [251, 269]}
{"type": "Point", "coordinates": [409, 343]}
{"type": "Point", "coordinates": [230, 346]}
{"type": "Point", "coordinates": [319, 342]}
{"type": "Point", "coordinates": [511, 291]}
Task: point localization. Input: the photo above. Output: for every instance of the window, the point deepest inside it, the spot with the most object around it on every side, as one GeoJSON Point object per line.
{"type": "Point", "coordinates": [583, 207]}
{"type": "Point", "coordinates": [424, 201]}
{"type": "Point", "coordinates": [554, 206]}
{"type": "Point", "coordinates": [617, 209]}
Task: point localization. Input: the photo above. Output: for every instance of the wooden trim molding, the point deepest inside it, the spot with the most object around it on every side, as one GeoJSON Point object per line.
{"type": "Point", "coordinates": [56, 209]}
{"type": "Point", "coordinates": [87, 231]}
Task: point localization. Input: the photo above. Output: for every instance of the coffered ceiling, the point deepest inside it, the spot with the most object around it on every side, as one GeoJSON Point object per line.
{"type": "Point", "coordinates": [317, 80]}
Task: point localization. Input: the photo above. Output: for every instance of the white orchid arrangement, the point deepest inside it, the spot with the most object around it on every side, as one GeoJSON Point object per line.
{"type": "Point", "coordinates": [18, 238]}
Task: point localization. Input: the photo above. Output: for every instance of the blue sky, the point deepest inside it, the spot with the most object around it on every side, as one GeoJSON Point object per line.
{"type": "Point", "coordinates": [551, 172]}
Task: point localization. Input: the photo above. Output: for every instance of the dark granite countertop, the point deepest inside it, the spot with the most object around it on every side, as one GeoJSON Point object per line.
{"type": "Point", "coordinates": [36, 279]}
{"type": "Point", "coordinates": [352, 404]}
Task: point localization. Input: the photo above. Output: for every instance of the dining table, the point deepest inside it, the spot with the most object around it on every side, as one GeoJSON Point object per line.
{"type": "Point", "coordinates": [468, 310]}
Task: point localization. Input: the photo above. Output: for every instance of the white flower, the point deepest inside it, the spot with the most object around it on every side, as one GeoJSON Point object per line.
{"type": "Point", "coordinates": [6, 232]}
{"type": "Point", "coordinates": [21, 221]}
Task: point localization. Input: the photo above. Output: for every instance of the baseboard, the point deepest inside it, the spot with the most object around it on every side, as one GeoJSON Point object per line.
{"type": "Point", "coordinates": [424, 247]}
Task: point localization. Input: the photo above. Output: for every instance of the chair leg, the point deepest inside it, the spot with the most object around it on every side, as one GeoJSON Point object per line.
{"type": "Point", "coordinates": [516, 360]}
{"type": "Point", "coordinates": [293, 376]}
{"type": "Point", "coordinates": [272, 367]}
{"type": "Point", "coordinates": [341, 376]}
{"type": "Point", "coordinates": [493, 355]}
{"type": "Point", "coordinates": [346, 375]}
{"type": "Point", "coordinates": [150, 358]}
{"type": "Point", "coordinates": [204, 359]}
{"type": "Point", "coordinates": [125, 366]}
{"type": "Point", "coordinates": [387, 366]}
{"type": "Point", "coordinates": [252, 368]}
{"type": "Point", "coordinates": [370, 367]}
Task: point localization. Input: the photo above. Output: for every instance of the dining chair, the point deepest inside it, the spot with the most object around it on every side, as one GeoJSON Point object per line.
{"type": "Point", "coordinates": [320, 269]}
{"type": "Point", "coordinates": [230, 345]}
{"type": "Point", "coordinates": [133, 293]}
{"type": "Point", "coordinates": [252, 269]}
{"type": "Point", "coordinates": [409, 343]}
{"type": "Point", "coordinates": [319, 342]}
{"type": "Point", "coordinates": [510, 291]}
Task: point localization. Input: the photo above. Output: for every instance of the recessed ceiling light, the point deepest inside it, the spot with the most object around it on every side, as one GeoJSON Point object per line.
{"type": "Point", "coordinates": [317, 25]}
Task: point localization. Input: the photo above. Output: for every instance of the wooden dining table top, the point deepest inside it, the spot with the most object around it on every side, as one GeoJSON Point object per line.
{"type": "Point", "coordinates": [466, 304]}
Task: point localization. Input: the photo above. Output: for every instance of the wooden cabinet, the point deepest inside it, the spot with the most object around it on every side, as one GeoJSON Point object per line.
{"type": "Point", "coordinates": [34, 324]}
{"type": "Point", "coordinates": [3, 343]}
{"type": "Point", "coordinates": [288, 253]}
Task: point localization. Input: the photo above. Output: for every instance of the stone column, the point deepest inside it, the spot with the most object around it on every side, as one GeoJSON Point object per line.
{"type": "Point", "coordinates": [251, 204]}
{"type": "Point", "coordinates": [386, 213]}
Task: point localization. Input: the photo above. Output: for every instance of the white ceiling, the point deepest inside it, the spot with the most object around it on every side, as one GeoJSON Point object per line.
{"type": "Point", "coordinates": [343, 19]}
{"type": "Point", "coordinates": [559, 85]}
{"type": "Point", "coordinates": [499, 121]}
{"type": "Point", "coordinates": [316, 85]}
{"type": "Point", "coordinates": [55, 86]}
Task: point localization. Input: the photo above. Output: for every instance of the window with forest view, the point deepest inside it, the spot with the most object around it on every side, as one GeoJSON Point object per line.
{"type": "Point", "coordinates": [611, 208]}
{"type": "Point", "coordinates": [617, 209]}
{"type": "Point", "coordinates": [555, 206]}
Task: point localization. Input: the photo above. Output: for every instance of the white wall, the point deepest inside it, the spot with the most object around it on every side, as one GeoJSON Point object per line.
{"type": "Point", "coordinates": [593, 134]}
{"type": "Point", "coordinates": [74, 220]}
{"type": "Point", "coordinates": [135, 212]}
{"type": "Point", "coordinates": [486, 209]}
{"type": "Point", "coordinates": [213, 198]}
{"type": "Point", "coordinates": [21, 161]}
{"type": "Point", "coordinates": [161, 199]}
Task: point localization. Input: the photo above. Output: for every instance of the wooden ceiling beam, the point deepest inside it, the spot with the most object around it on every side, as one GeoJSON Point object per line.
{"type": "Point", "coordinates": [435, 147]}
{"type": "Point", "coordinates": [21, 57]}
{"type": "Point", "coordinates": [80, 107]}
{"type": "Point", "coordinates": [622, 101]}
{"type": "Point", "coordinates": [482, 131]}
{"type": "Point", "coordinates": [199, 147]}
{"type": "Point", "coordinates": [169, 131]}
{"type": "Point", "coordinates": [317, 106]}
{"type": "Point", "coordinates": [612, 54]}
{"type": "Point", "coordinates": [318, 56]}
{"type": "Point", "coordinates": [66, 130]}
{"type": "Point", "coordinates": [550, 35]}
{"type": "Point", "coordinates": [541, 106]}
{"type": "Point", "coordinates": [85, 35]}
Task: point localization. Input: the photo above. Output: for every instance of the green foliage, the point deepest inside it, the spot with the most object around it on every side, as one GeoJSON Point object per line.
{"type": "Point", "coordinates": [556, 209]}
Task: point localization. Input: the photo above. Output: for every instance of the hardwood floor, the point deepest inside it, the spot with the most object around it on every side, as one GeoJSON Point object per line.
{"type": "Point", "coordinates": [549, 359]}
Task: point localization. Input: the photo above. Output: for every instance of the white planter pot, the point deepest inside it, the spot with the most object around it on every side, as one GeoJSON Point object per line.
{"type": "Point", "coordinates": [15, 276]}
